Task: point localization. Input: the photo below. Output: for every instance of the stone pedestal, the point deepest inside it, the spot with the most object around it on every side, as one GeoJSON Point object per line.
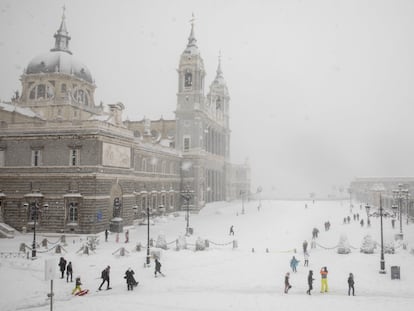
{"type": "Point", "coordinates": [116, 224]}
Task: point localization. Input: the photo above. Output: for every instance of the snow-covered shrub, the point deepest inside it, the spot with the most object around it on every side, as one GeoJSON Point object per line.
{"type": "Point", "coordinates": [181, 243]}
{"type": "Point", "coordinates": [200, 244]}
{"type": "Point", "coordinates": [389, 248]}
{"type": "Point", "coordinates": [368, 245]}
{"type": "Point", "coordinates": [161, 242]}
{"type": "Point", "coordinates": [343, 245]}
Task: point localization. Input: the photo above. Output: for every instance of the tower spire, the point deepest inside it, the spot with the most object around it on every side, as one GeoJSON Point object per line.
{"type": "Point", "coordinates": [192, 41]}
{"type": "Point", "coordinates": [219, 71]}
{"type": "Point", "coordinates": [62, 36]}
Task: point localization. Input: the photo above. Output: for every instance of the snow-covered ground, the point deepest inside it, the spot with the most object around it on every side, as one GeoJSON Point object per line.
{"type": "Point", "coordinates": [220, 277]}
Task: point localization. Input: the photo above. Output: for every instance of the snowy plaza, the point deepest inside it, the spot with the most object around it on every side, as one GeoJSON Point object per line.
{"type": "Point", "coordinates": [244, 275]}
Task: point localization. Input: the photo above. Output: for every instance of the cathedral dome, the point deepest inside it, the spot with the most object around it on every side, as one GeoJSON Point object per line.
{"type": "Point", "coordinates": [59, 62]}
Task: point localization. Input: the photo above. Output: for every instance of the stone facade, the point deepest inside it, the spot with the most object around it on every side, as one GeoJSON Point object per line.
{"type": "Point", "coordinates": [72, 166]}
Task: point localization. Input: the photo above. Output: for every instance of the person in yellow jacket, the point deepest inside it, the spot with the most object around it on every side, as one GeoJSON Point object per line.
{"type": "Point", "coordinates": [77, 288]}
{"type": "Point", "coordinates": [324, 280]}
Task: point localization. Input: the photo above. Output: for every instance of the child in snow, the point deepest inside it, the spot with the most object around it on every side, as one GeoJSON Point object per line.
{"type": "Point", "coordinates": [287, 284]}
{"type": "Point", "coordinates": [77, 286]}
{"type": "Point", "coordinates": [324, 280]}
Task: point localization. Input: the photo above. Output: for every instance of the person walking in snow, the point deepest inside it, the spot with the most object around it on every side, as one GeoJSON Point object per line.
{"type": "Point", "coordinates": [127, 236]}
{"type": "Point", "coordinates": [130, 280]}
{"type": "Point", "coordinates": [310, 282]}
{"type": "Point", "coordinates": [294, 263]}
{"type": "Point", "coordinates": [306, 257]}
{"type": "Point", "coordinates": [287, 284]}
{"type": "Point", "coordinates": [77, 286]}
{"type": "Point", "coordinates": [305, 246]}
{"type": "Point", "coordinates": [324, 279]}
{"type": "Point", "coordinates": [62, 266]}
{"type": "Point", "coordinates": [157, 268]}
{"type": "Point", "coordinates": [351, 283]}
{"type": "Point", "coordinates": [69, 272]}
{"type": "Point", "coordinates": [106, 235]}
{"type": "Point", "coordinates": [231, 230]}
{"type": "Point", "coordinates": [105, 278]}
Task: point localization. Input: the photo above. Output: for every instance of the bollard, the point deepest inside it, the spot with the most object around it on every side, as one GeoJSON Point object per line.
{"type": "Point", "coordinates": [22, 247]}
{"type": "Point", "coordinates": [63, 239]}
{"type": "Point", "coordinates": [207, 243]}
{"type": "Point", "coordinates": [58, 249]}
{"type": "Point", "coordinates": [234, 243]}
{"type": "Point", "coordinates": [122, 251]}
{"type": "Point", "coordinates": [44, 242]}
{"type": "Point", "coordinates": [138, 247]}
{"type": "Point", "coordinates": [267, 250]}
{"type": "Point", "coordinates": [252, 250]}
{"type": "Point", "coordinates": [86, 250]}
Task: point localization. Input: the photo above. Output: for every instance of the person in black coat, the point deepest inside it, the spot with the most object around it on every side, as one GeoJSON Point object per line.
{"type": "Point", "coordinates": [69, 272]}
{"type": "Point", "coordinates": [310, 282]}
{"type": "Point", "coordinates": [351, 283]}
{"type": "Point", "coordinates": [130, 280]}
{"type": "Point", "coordinates": [62, 266]}
{"type": "Point", "coordinates": [105, 277]}
{"type": "Point", "coordinates": [287, 283]}
{"type": "Point", "coordinates": [157, 268]}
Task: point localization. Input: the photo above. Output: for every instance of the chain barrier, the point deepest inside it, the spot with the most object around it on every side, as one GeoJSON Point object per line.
{"type": "Point", "coordinates": [12, 255]}
{"type": "Point", "coordinates": [220, 244]}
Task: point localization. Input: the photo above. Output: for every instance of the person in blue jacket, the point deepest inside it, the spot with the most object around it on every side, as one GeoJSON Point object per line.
{"type": "Point", "coordinates": [294, 263]}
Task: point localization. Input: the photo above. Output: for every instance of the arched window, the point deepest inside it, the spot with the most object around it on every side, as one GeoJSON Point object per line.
{"type": "Point", "coordinates": [41, 91]}
{"type": "Point", "coordinates": [188, 79]}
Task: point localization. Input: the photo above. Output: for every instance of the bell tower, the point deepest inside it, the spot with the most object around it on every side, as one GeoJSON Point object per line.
{"type": "Point", "coordinates": [190, 95]}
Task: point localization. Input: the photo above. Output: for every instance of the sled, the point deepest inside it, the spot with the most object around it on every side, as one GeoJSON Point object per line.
{"type": "Point", "coordinates": [82, 292]}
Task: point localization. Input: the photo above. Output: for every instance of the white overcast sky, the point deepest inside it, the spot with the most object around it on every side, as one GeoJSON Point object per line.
{"type": "Point", "coordinates": [321, 91]}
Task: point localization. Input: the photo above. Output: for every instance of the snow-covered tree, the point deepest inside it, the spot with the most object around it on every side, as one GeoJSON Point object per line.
{"type": "Point", "coordinates": [368, 245]}
{"type": "Point", "coordinates": [200, 244]}
{"type": "Point", "coordinates": [161, 242]}
{"type": "Point", "coordinates": [343, 245]}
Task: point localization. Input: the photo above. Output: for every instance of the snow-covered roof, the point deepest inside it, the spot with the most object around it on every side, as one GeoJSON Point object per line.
{"type": "Point", "coordinates": [59, 62]}
{"type": "Point", "coordinates": [23, 111]}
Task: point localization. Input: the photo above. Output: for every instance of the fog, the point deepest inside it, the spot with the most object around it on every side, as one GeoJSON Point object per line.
{"type": "Point", "coordinates": [321, 91]}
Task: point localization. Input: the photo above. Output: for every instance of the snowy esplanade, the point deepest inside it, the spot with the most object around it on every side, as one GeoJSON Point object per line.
{"type": "Point", "coordinates": [240, 270]}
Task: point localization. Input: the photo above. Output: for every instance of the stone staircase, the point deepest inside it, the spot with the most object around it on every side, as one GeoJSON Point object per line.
{"type": "Point", "coordinates": [6, 231]}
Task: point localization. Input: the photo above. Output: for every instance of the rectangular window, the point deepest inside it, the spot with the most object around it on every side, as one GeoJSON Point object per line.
{"type": "Point", "coordinates": [36, 157]}
{"type": "Point", "coordinates": [73, 212]}
{"type": "Point", "coordinates": [74, 157]}
{"type": "Point", "coordinates": [154, 202]}
{"type": "Point", "coordinates": [2, 158]}
{"type": "Point", "coordinates": [171, 201]}
{"type": "Point", "coordinates": [186, 145]}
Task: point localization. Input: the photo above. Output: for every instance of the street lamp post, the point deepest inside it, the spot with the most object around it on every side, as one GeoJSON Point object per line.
{"type": "Point", "coordinates": [148, 235]}
{"type": "Point", "coordinates": [186, 195]}
{"type": "Point", "coordinates": [242, 198]}
{"type": "Point", "coordinates": [35, 211]}
{"type": "Point", "coordinates": [382, 260]}
{"type": "Point", "coordinates": [398, 195]}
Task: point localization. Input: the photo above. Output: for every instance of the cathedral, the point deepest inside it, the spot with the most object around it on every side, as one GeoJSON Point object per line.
{"type": "Point", "coordinates": [70, 165]}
